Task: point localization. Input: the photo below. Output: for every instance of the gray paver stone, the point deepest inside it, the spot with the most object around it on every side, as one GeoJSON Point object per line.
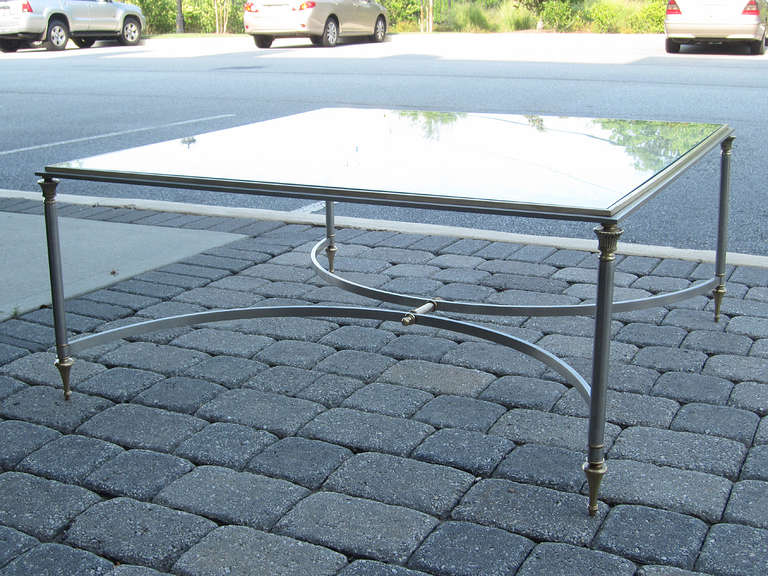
{"type": "Point", "coordinates": [555, 559]}
{"type": "Point", "coordinates": [532, 511]}
{"type": "Point", "coordinates": [623, 408]}
{"type": "Point", "coordinates": [179, 394]}
{"type": "Point", "coordinates": [139, 474]}
{"type": "Point", "coordinates": [232, 497]}
{"type": "Point", "coordinates": [734, 550]}
{"type": "Point", "coordinates": [717, 342]}
{"type": "Point", "coordinates": [364, 431]}
{"type": "Point", "coordinates": [224, 444]}
{"type": "Point", "coordinates": [331, 389]}
{"type": "Point", "coordinates": [748, 504]}
{"type": "Point", "coordinates": [756, 464]}
{"type": "Point", "coordinates": [761, 436]}
{"type": "Point", "coordinates": [575, 346]}
{"type": "Point", "coordinates": [9, 386]}
{"type": "Point", "coordinates": [418, 347]}
{"type": "Point", "coordinates": [530, 426]}
{"type": "Point", "coordinates": [649, 535]}
{"type": "Point", "coordinates": [40, 507]}
{"type": "Point", "coordinates": [686, 450]}
{"type": "Point", "coordinates": [474, 452]}
{"type": "Point", "coordinates": [13, 543]}
{"type": "Point", "coordinates": [548, 466]}
{"type": "Point", "coordinates": [755, 328]}
{"type": "Point", "coordinates": [282, 380]}
{"type": "Point", "coordinates": [21, 439]}
{"type": "Point", "coordinates": [119, 384]}
{"type": "Point", "coordinates": [136, 532]}
{"type": "Point", "coordinates": [373, 568]}
{"type": "Point", "coordinates": [136, 426]}
{"type": "Point", "coordinates": [47, 406]}
{"type": "Point", "coordinates": [717, 421]}
{"type": "Point", "coordinates": [659, 570]}
{"type": "Point", "coordinates": [242, 550]}
{"type": "Point", "coordinates": [685, 491]}
{"type": "Point", "coordinates": [168, 360]}
{"type": "Point", "coordinates": [750, 396]}
{"type": "Point", "coordinates": [737, 368]}
{"type": "Point", "coordinates": [299, 460]}
{"type": "Point", "coordinates": [494, 358]}
{"type": "Point", "coordinates": [460, 412]}
{"type": "Point", "coordinates": [693, 388]}
{"type": "Point", "coordinates": [466, 549]}
{"type": "Point", "coordinates": [650, 335]}
{"type": "Point", "coordinates": [522, 392]}
{"type": "Point", "coordinates": [69, 459]}
{"type": "Point", "coordinates": [275, 413]}
{"type": "Point", "coordinates": [366, 366]}
{"type": "Point", "coordinates": [438, 378]}
{"type": "Point", "coordinates": [126, 570]}
{"type": "Point", "coordinates": [10, 353]}
{"type": "Point", "coordinates": [695, 320]}
{"type": "Point", "coordinates": [670, 359]}
{"type": "Point", "coordinates": [57, 560]}
{"type": "Point", "coordinates": [295, 353]}
{"type": "Point", "coordinates": [357, 526]}
{"type": "Point", "coordinates": [230, 371]}
{"type": "Point", "coordinates": [213, 341]}
{"type": "Point", "coordinates": [357, 338]}
{"type": "Point", "coordinates": [388, 399]}
{"type": "Point", "coordinates": [430, 488]}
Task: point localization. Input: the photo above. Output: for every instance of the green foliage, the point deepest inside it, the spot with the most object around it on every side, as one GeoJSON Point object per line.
{"type": "Point", "coordinates": [469, 18]}
{"type": "Point", "coordinates": [402, 10]}
{"type": "Point", "coordinates": [649, 18]}
{"type": "Point", "coordinates": [160, 15]}
{"type": "Point", "coordinates": [605, 16]}
{"type": "Point", "coordinates": [512, 16]}
{"type": "Point", "coordinates": [561, 16]}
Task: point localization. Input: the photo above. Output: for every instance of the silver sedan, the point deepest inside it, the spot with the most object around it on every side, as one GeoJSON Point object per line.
{"type": "Point", "coordinates": [322, 21]}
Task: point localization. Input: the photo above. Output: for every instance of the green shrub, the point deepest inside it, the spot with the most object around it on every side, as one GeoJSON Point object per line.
{"type": "Point", "coordinates": [512, 16]}
{"type": "Point", "coordinates": [469, 18]}
{"type": "Point", "coordinates": [605, 16]}
{"type": "Point", "coordinates": [160, 15]}
{"type": "Point", "coordinates": [649, 18]}
{"type": "Point", "coordinates": [560, 15]}
{"type": "Point", "coordinates": [402, 11]}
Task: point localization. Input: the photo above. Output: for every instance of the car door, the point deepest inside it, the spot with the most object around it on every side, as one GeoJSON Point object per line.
{"type": "Point", "coordinates": [364, 14]}
{"type": "Point", "coordinates": [104, 16]}
{"type": "Point", "coordinates": [79, 15]}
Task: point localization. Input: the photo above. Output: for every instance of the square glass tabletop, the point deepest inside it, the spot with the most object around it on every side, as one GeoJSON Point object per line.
{"type": "Point", "coordinates": [559, 167]}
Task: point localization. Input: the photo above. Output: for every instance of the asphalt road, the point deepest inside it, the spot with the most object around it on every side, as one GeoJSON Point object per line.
{"type": "Point", "coordinates": [60, 106]}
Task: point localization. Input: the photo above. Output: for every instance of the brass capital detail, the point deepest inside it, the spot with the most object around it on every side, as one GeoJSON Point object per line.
{"type": "Point", "coordinates": [608, 241]}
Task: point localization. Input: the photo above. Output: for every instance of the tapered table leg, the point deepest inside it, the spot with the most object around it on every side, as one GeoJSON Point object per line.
{"type": "Point", "coordinates": [722, 223]}
{"type": "Point", "coordinates": [607, 237]}
{"type": "Point", "coordinates": [330, 234]}
{"type": "Point", "coordinates": [63, 361]}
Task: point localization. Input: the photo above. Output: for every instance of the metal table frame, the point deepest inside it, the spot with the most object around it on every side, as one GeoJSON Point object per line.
{"type": "Point", "coordinates": [607, 231]}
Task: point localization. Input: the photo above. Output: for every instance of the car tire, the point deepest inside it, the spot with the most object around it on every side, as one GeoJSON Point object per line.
{"type": "Point", "coordinates": [84, 42]}
{"type": "Point", "coordinates": [263, 41]}
{"type": "Point", "coordinates": [671, 46]}
{"type": "Point", "coordinates": [57, 35]}
{"type": "Point", "coordinates": [379, 30]}
{"type": "Point", "coordinates": [9, 45]}
{"type": "Point", "coordinates": [130, 33]}
{"type": "Point", "coordinates": [757, 47]}
{"type": "Point", "coordinates": [316, 40]}
{"type": "Point", "coordinates": [330, 33]}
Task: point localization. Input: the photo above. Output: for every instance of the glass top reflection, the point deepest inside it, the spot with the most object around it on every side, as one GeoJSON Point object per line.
{"type": "Point", "coordinates": [540, 162]}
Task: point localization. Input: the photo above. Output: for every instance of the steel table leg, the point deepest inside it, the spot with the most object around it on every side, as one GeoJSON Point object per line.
{"type": "Point", "coordinates": [722, 223]}
{"type": "Point", "coordinates": [63, 361]}
{"type": "Point", "coordinates": [330, 234]}
{"type": "Point", "coordinates": [608, 238]}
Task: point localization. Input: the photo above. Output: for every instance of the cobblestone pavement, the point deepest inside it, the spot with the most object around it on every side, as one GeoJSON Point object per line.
{"type": "Point", "coordinates": [290, 446]}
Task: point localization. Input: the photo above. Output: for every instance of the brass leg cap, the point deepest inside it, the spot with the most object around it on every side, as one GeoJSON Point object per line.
{"type": "Point", "coordinates": [595, 472]}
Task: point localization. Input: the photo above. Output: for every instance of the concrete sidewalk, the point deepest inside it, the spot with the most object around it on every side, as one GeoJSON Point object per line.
{"type": "Point", "coordinates": [311, 446]}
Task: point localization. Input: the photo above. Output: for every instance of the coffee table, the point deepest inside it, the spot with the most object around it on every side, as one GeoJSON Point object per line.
{"type": "Point", "coordinates": [580, 169]}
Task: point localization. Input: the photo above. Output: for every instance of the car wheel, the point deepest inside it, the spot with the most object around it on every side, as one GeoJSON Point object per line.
{"type": "Point", "coordinates": [9, 45]}
{"type": "Point", "coordinates": [130, 35]}
{"type": "Point", "coordinates": [757, 47]}
{"type": "Point", "coordinates": [263, 41]}
{"type": "Point", "coordinates": [330, 33]}
{"type": "Point", "coordinates": [83, 42]}
{"type": "Point", "coordinates": [671, 46]}
{"type": "Point", "coordinates": [57, 36]}
{"type": "Point", "coordinates": [379, 30]}
{"type": "Point", "coordinates": [316, 40]}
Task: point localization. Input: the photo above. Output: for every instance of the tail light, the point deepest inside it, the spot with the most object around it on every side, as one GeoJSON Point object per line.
{"type": "Point", "coordinates": [26, 7]}
{"type": "Point", "coordinates": [250, 7]}
{"type": "Point", "coordinates": [751, 9]}
{"type": "Point", "coordinates": [673, 8]}
{"type": "Point", "coordinates": [306, 5]}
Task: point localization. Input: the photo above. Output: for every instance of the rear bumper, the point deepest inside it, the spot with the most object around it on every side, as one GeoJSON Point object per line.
{"type": "Point", "coordinates": [283, 25]}
{"type": "Point", "coordinates": [709, 32]}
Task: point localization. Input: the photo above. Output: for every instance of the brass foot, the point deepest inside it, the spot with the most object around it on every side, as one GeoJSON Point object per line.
{"type": "Point", "coordinates": [331, 252]}
{"type": "Point", "coordinates": [595, 472]}
{"type": "Point", "coordinates": [718, 294]}
{"type": "Point", "coordinates": [64, 367]}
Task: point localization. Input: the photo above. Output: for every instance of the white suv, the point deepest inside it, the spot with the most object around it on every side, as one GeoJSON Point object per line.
{"type": "Point", "coordinates": [54, 22]}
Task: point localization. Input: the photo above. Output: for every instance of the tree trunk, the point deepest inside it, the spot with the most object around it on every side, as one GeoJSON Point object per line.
{"type": "Point", "coordinates": [179, 17]}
